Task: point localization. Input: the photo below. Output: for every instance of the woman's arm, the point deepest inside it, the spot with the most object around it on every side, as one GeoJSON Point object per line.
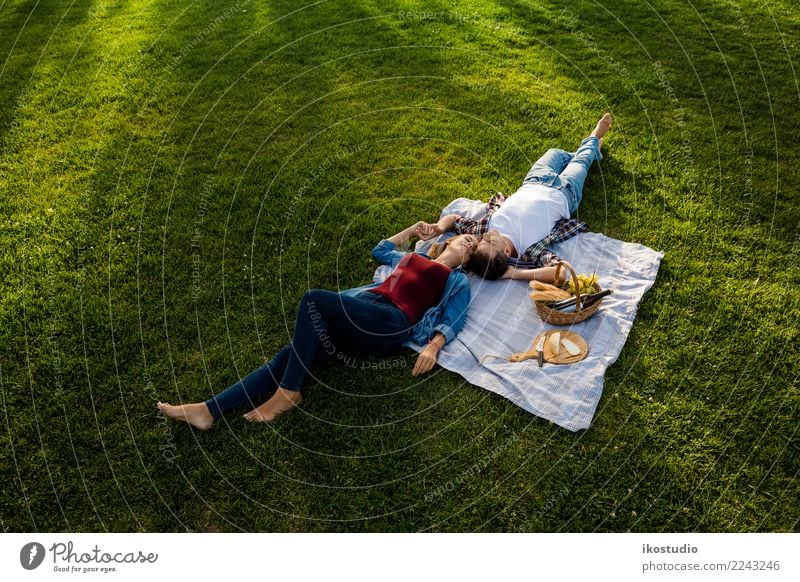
{"type": "Point", "coordinates": [544, 274]}
{"type": "Point", "coordinates": [386, 253]}
{"type": "Point", "coordinates": [427, 357]}
{"type": "Point", "coordinates": [451, 314]}
{"type": "Point", "coordinates": [404, 236]}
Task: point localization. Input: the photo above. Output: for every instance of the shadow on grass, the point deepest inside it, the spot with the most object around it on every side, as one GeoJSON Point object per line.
{"type": "Point", "coordinates": [196, 146]}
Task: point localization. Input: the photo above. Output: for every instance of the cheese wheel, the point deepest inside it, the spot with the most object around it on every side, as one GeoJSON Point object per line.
{"type": "Point", "coordinates": [555, 343]}
{"type": "Point", "coordinates": [570, 347]}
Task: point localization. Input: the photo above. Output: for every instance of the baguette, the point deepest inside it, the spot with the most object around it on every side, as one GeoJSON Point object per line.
{"type": "Point", "coordinates": [545, 288]}
{"type": "Point", "coordinates": [547, 295]}
{"type": "Point", "coordinates": [541, 286]}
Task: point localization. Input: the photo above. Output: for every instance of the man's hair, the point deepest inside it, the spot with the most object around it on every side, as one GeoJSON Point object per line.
{"type": "Point", "coordinates": [487, 265]}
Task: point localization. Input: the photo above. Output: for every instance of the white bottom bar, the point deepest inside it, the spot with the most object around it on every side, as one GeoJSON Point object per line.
{"type": "Point", "coordinates": [379, 557]}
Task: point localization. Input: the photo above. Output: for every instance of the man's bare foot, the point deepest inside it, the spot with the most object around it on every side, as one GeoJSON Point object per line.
{"type": "Point", "coordinates": [280, 402]}
{"type": "Point", "coordinates": [195, 414]}
{"type": "Point", "coordinates": [602, 126]}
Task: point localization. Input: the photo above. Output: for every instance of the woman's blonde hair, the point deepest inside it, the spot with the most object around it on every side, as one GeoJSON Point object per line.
{"type": "Point", "coordinates": [438, 248]}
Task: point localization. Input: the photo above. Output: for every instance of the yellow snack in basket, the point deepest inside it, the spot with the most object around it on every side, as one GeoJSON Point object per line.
{"type": "Point", "coordinates": [546, 296]}
{"type": "Point", "coordinates": [542, 286]}
{"type": "Point", "coordinates": [539, 286]}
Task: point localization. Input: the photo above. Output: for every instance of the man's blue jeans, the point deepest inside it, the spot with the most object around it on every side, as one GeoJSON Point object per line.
{"type": "Point", "coordinates": [327, 323]}
{"type": "Point", "coordinates": [566, 171]}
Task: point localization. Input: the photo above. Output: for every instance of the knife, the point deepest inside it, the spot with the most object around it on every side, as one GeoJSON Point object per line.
{"type": "Point", "coordinates": [540, 350]}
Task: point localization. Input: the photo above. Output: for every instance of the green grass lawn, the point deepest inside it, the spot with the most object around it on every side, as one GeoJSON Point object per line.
{"type": "Point", "coordinates": [173, 176]}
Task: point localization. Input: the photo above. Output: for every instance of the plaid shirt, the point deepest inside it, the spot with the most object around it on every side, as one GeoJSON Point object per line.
{"type": "Point", "coordinates": [538, 254]}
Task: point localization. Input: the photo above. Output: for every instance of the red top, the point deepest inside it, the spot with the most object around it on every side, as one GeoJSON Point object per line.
{"type": "Point", "coordinates": [416, 284]}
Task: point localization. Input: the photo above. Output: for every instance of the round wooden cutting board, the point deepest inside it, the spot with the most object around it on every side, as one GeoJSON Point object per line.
{"type": "Point", "coordinates": [563, 356]}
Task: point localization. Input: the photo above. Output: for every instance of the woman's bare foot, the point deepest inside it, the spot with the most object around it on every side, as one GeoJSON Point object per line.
{"type": "Point", "coordinates": [280, 402]}
{"type": "Point", "coordinates": [602, 126]}
{"type": "Point", "coordinates": [195, 414]}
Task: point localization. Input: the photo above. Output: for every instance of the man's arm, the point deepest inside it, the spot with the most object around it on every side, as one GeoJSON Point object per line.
{"type": "Point", "coordinates": [461, 224]}
{"type": "Point", "coordinates": [445, 224]}
{"type": "Point", "coordinates": [543, 274]}
{"type": "Point", "coordinates": [454, 223]}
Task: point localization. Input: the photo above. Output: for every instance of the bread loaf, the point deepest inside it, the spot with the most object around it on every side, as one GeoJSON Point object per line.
{"type": "Point", "coordinates": [548, 295]}
{"type": "Point", "coordinates": [539, 286]}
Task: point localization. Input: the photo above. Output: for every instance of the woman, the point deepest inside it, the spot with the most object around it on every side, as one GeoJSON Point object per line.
{"type": "Point", "coordinates": [424, 299]}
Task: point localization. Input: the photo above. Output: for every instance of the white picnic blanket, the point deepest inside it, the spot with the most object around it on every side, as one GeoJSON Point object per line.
{"type": "Point", "coordinates": [502, 320]}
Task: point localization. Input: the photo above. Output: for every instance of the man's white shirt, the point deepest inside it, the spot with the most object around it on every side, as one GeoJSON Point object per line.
{"type": "Point", "coordinates": [529, 215]}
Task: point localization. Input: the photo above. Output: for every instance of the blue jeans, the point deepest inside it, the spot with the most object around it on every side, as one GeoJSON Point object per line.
{"type": "Point", "coordinates": [327, 323]}
{"type": "Point", "coordinates": [566, 171]}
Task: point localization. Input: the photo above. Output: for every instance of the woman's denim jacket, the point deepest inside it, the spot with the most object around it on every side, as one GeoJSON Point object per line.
{"type": "Point", "coordinates": [447, 317]}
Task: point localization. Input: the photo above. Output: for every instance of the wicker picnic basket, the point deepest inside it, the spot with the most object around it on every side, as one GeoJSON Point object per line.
{"type": "Point", "coordinates": [555, 317]}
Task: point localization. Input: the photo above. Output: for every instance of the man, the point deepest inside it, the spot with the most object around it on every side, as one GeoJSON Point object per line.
{"type": "Point", "coordinates": [519, 229]}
